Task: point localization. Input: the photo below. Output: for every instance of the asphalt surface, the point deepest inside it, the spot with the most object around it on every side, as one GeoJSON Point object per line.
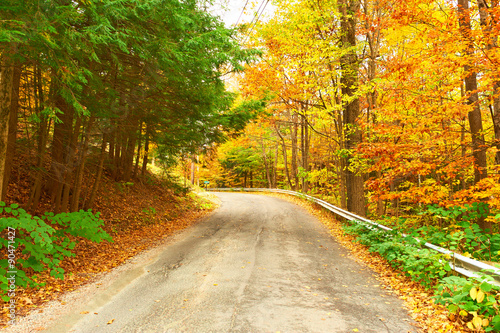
{"type": "Point", "coordinates": [257, 264]}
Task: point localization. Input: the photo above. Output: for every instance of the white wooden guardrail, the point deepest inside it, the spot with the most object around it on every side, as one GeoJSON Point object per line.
{"type": "Point", "coordinates": [459, 263]}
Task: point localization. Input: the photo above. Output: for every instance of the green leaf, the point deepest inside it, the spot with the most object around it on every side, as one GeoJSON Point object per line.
{"type": "Point", "coordinates": [453, 308]}
{"type": "Point", "coordinates": [486, 287]}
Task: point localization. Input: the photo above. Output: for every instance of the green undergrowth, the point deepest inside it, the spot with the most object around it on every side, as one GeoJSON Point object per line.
{"type": "Point", "coordinates": [453, 228]}
{"type": "Point", "coordinates": [475, 301]}
{"type": "Point", "coordinates": [34, 244]}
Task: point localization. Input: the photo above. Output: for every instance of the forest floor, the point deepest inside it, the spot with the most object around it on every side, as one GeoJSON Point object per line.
{"type": "Point", "coordinates": [137, 215]}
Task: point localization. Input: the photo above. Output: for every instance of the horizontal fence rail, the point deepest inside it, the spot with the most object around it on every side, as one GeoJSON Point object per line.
{"type": "Point", "coordinates": [459, 263]}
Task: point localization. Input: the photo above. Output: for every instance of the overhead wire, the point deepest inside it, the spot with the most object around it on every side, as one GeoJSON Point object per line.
{"type": "Point", "coordinates": [241, 14]}
{"type": "Point", "coordinates": [254, 21]}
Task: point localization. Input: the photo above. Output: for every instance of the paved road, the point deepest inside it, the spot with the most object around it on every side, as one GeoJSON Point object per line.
{"type": "Point", "coordinates": [258, 264]}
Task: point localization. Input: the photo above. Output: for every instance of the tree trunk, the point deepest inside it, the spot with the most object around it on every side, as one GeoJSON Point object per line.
{"type": "Point", "coordinates": [266, 163]}
{"type": "Point", "coordinates": [373, 39]}
{"type": "Point", "coordinates": [193, 169]}
{"type": "Point", "coordinates": [349, 83]}
{"type": "Point", "coordinates": [118, 153]}
{"type": "Point", "coordinates": [285, 159]}
{"type": "Point", "coordinates": [6, 84]}
{"type": "Point", "coordinates": [111, 135]}
{"type": "Point", "coordinates": [129, 153]}
{"type": "Point", "coordinates": [139, 147]}
{"type": "Point", "coordinates": [146, 152]}
{"type": "Point", "coordinates": [475, 121]}
{"type": "Point", "coordinates": [492, 45]}
{"type": "Point", "coordinates": [12, 136]}
{"type": "Point", "coordinates": [42, 138]}
{"type": "Point", "coordinates": [305, 152]}
{"type": "Point", "coordinates": [75, 199]}
{"type": "Point", "coordinates": [97, 182]}
{"type": "Point", "coordinates": [293, 136]}
{"type": "Point", "coordinates": [275, 165]}
{"type": "Point", "coordinates": [340, 166]}
{"type": "Point", "coordinates": [69, 166]}
{"type": "Point", "coordinates": [61, 142]}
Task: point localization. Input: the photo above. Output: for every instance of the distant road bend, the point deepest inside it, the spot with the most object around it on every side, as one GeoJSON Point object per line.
{"type": "Point", "coordinates": [257, 264]}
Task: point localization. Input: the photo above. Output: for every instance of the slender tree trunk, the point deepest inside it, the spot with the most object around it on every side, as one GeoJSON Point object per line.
{"type": "Point", "coordinates": [380, 203]}
{"type": "Point", "coordinates": [305, 152]}
{"type": "Point", "coordinates": [373, 38]}
{"type": "Point", "coordinates": [75, 199]}
{"type": "Point", "coordinates": [118, 153]}
{"type": "Point", "coordinates": [475, 121]}
{"type": "Point", "coordinates": [61, 146]}
{"type": "Point", "coordinates": [70, 165]}
{"type": "Point", "coordinates": [129, 154]}
{"type": "Point", "coordinates": [266, 164]}
{"type": "Point", "coordinates": [285, 159]}
{"type": "Point", "coordinates": [6, 83]}
{"type": "Point", "coordinates": [42, 138]}
{"type": "Point", "coordinates": [146, 152]}
{"type": "Point", "coordinates": [275, 165]}
{"type": "Point", "coordinates": [349, 84]}
{"type": "Point", "coordinates": [193, 169]}
{"type": "Point", "coordinates": [112, 134]}
{"type": "Point", "coordinates": [11, 142]}
{"type": "Point", "coordinates": [492, 46]}
{"type": "Point", "coordinates": [463, 151]}
{"type": "Point", "coordinates": [340, 166]}
{"type": "Point", "coordinates": [293, 136]}
{"type": "Point", "coordinates": [90, 202]}
{"type": "Point", "coordinates": [139, 147]}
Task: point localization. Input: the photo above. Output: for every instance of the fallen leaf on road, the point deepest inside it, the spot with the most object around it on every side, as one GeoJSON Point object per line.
{"type": "Point", "coordinates": [111, 321]}
{"type": "Point", "coordinates": [84, 312]}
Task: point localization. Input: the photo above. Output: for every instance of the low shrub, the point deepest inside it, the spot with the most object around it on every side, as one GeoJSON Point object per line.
{"type": "Point", "coordinates": [37, 244]}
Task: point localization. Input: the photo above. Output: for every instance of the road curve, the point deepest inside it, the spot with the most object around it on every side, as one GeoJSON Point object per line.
{"type": "Point", "coordinates": [257, 264]}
